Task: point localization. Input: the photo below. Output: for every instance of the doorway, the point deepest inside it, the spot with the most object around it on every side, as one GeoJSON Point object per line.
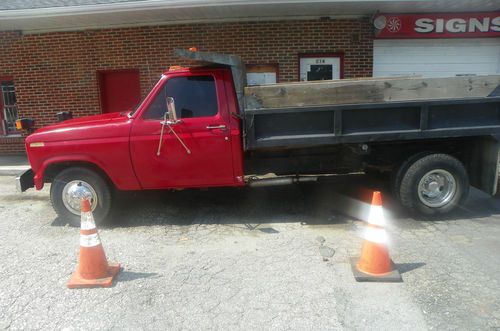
{"type": "Point", "coordinates": [119, 90]}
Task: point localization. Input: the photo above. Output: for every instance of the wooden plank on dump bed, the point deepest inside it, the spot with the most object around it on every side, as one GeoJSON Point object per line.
{"type": "Point", "coordinates": [368, 91]}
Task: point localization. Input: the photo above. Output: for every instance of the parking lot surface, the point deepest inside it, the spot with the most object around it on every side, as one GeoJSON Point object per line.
{"type": "Point", "coordinates": [270, 258]}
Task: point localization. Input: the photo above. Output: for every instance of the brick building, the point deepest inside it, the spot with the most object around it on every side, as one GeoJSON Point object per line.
{"type": "Point", "coordinates": [81, 56]}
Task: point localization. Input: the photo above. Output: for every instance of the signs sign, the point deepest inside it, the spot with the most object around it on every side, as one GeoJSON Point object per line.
{"type": "Point", "coordinates": [455, 25]}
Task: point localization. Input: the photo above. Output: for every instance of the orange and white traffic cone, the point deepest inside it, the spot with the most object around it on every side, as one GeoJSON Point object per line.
{"type": "Point", "coordinates": [375, 265]}
{"type": "Point", "coordinates": [93, 269]}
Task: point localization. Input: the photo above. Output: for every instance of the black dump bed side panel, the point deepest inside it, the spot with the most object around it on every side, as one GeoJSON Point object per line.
{"type": "Point", "coordinates": [358, 123]}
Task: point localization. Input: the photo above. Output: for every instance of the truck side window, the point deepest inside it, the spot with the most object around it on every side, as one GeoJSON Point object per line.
{"type": "Point", "coordinates": [194, 96]}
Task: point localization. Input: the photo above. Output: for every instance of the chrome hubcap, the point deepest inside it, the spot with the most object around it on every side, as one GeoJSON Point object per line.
{"type": "Point", "coordinates": [437, 188]}
{"type": "Point", "coordinates": [73, 193]}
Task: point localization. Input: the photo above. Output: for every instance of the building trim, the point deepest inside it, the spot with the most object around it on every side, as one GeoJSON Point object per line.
{"type": "Point", "coordinates": [155, 5]}
{"type": "Point", "coordinates": [193, 21]}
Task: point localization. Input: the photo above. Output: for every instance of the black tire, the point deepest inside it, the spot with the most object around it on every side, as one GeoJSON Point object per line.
{"type": "Point", "coordinates": [101, 187]}
{"type": "Point", "coordinates": [397, 175]}
{"type": "Point", "coordinates": [408, 188]}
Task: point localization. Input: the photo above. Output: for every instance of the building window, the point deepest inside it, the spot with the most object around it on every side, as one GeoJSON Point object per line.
{"type": "Point", "coordinates": [320, 67]}
{"type": "Point", "coordinates": [262, 74]}
{"type": "Point", "coordinates": [8, 105]}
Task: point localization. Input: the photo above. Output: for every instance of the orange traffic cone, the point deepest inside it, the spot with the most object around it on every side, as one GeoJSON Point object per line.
{"type": "Point", "coordinates": [93, 269]}
{"type": "Point", "coordinates": [375, 265]}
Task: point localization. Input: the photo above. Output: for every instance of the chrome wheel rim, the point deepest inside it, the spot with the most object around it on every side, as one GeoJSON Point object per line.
{"type": "Point", "coordinates": [437, 188]}
{"type": "Point", "coordinates": [73, 193]}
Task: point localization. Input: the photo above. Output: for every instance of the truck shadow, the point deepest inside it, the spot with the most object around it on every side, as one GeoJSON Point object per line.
{"type": "Point", "coordinates": [245, 206]}
{"type": "Point", "coordinates": [331, 201]}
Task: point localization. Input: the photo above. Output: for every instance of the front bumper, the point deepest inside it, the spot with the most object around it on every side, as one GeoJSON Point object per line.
{"type": "Point", "coordinates": [25, 180]}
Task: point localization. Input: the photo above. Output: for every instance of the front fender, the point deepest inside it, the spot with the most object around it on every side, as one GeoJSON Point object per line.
{"type": "Point", "coordinates": [38, 178]}
{"type": "Point", "coordinates": [117, 167]}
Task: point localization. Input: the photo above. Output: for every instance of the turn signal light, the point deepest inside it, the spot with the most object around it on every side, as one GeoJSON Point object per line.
{"type": "Point", "coordinates": [193, 49]}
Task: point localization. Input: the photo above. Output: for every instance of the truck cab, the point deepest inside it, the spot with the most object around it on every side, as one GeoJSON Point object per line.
{"type": "Point", "coordinates": [136, 150]}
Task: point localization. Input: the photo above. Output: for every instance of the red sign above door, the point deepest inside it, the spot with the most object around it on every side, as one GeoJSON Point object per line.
{"type": "Point", "coordinates": [454, 25]}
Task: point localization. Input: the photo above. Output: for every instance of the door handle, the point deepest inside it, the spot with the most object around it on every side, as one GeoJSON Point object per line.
{"type": "Point", "coordinates": [213, 127]}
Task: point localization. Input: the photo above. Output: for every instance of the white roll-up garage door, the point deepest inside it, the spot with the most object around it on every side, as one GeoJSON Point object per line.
{"type": "Point", "coordinates": [436, 57]}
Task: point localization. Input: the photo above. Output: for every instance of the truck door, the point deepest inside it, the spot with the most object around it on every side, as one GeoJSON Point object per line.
{"type": "Point", "coordinates": [198, 153]}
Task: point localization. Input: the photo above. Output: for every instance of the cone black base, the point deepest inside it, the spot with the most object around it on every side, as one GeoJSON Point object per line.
{"type": "Point", "coordinates": [392, 277]}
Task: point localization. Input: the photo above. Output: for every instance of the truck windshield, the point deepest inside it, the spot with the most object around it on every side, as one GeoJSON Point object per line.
{"type": "Point", "coordinates": [136, 108]}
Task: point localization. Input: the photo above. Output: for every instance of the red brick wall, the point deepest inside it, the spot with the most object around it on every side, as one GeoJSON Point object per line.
{"type": "Point", "coordinates": [58, 71]}
{"type": "Point", "coordinates": [11, 145]}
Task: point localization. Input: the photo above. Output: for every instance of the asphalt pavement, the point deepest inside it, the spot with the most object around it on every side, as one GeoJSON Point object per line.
{"type": "Point", "coordinates": [247, 259]}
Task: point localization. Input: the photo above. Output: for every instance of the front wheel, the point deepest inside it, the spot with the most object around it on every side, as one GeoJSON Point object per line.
{"type": "Point", "coordinates": [71, 185]}
{"type": "Point", "coordinates": [434, 184]}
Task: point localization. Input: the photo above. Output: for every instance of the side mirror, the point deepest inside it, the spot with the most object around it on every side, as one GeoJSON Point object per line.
{"type": "Point", "coordinates": [169, 119]}
{"type": "Point", "coordinates": [171, 115]}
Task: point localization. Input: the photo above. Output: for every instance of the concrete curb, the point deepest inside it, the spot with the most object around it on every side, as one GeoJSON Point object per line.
{"type": "Point", "coordinates": [13, 170]}
{"type": "Point", "coordinates": [13, 165]}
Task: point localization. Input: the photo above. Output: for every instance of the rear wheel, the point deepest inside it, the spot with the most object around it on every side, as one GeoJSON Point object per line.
{"type": "Point", "coordinates": [71, 185]}
{"type": "Point", "coordinates": [433, 184]}
{"type": "Point", "coordinates": [397, 175]}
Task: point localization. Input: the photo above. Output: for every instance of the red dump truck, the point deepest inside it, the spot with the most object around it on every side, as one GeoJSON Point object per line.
{"type": "Point", "coordinates": [201, 127]}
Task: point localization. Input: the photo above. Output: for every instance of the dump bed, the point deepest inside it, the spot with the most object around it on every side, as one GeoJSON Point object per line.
{"type": "Point", "coordinates": [358, 123]}
{"type": "Point", "coordinates": [356, 111]}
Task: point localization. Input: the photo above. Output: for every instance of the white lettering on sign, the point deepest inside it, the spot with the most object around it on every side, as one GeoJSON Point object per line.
{"type": "Point", "coordinates": [495, 24]}
{"type": "Point", "coordinates": [439, 25]}
{"type": "Point", "coordinates": [457, 25]}
{"type": "Point", "coordinates": [477, 25]}
{"type": "Point", "coordinates": [424, 25]}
